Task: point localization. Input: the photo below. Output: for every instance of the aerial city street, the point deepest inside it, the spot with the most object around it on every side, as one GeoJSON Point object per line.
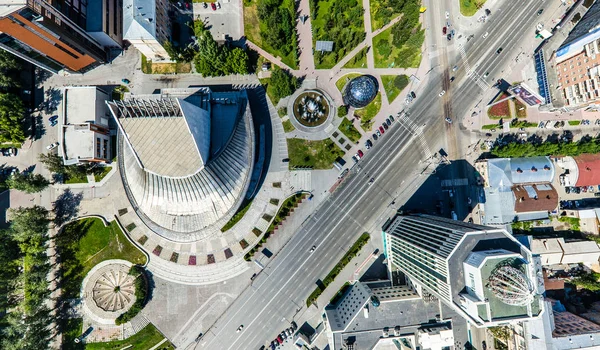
{"type": "Point", "coordinates": [300, 174]}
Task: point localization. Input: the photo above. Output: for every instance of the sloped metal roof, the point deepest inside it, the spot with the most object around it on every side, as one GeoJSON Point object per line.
{"type": "Point", "coordinates": [139, 19]}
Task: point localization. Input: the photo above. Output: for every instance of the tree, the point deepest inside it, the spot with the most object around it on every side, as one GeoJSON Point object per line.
{"type": "Point", "coordinates": [282, 83]}
{"type": "Point", "coordinates": [237, 61]}
{"type": "Point", "coordinates": [214, 60]}
{"type": "Point", "coordinates": [11, 119]}
{"type": "Point", "coordinates": [8, 62]}
{"type": "Point", "coordinates": [53, 162]}
{"type": "Point", "coordinates": [29, 183]}
{"type": "Point", "coordinates": [29, 227]}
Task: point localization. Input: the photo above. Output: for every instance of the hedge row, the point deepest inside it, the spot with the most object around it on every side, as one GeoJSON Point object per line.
{"type": "Point", "coordinates": [350, 254]}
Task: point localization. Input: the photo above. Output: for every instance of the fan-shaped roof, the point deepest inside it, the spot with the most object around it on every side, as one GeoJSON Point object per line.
{"type": "Point", "coordinates": [179, 207]}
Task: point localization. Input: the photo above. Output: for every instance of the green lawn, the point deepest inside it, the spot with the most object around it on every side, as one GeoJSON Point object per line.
{"type": "Point", "coordinates": [368, 113]}
{"type": "Point", "coordinates": [346, 78]}
{"type": "Point", "coordinates": [349, 130]}
{"type": "Point", "coordinates": [253, 27]}
{"type": "Point", "coordinates": [393, 85]}
{"type": "Point", "coordinates": [359, 60]}
{"type": "Point", "coordinates": [316, 154]}
{"type": "Point", "coordinates": [145, 339]}
{"type": "Point", "coordinates": [469, 7]}
{"type": "Point", "coordinates": [407, 55]}
{"type": "Point", "coordinates": [382, 12]}
{"type": "Point", "coordinates": [149, 67]}
{"type": "Point", "coordinates": [287, 126]}
{"type": "Point", "coordinates": [104, 172]}
{"type": "Point", "coordinates": [340, 21]}
{"type": "Point", "coordinates": [76, 180]}
{"type": "Point", "coordinates": [85, 243]}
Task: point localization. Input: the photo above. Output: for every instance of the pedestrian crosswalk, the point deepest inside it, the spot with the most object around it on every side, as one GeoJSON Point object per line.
{"type": "Point", "coordinates": [476, 77]}
{"type": "Point", "coordinates": [416, 131]}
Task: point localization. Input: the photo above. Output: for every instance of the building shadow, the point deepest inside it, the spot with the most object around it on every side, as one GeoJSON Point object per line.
{"type": "Point", "coordinates": [450, 190]}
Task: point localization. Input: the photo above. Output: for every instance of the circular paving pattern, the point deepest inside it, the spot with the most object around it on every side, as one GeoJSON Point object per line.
{"type": "Point", "coordinates": [113, 290]}
{"type": "Point", "coordinates": [108, 290]}
{"type": "Point", "coordinates": [311, 108]}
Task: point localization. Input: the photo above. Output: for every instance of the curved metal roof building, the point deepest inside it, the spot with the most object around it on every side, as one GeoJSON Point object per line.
{"type": "Point", "coordinates": [185, 158]}
{"type": "Point", "coordinates": [360, 91]}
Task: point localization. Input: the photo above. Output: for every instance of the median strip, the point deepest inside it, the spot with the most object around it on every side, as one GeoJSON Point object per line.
{"type": "Point", "coordinates": [350, 254]}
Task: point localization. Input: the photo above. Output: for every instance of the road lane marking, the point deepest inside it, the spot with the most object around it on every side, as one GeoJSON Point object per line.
{"type": "Point", "coordinates": [387, 164]}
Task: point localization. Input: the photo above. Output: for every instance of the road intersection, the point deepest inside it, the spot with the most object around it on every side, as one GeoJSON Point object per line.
{"type": "Point", "coordinates": [278, 294]}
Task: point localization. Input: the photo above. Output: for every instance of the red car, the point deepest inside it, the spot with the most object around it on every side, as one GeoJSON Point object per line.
{"type": "Point", "coordinates": [381, 130]}
{"type": "Point", "coordinates": [360, 153]}
{"type": "Point", "coordinates": [213, 6]}
{"type": "Point", "coordinates": [279, 340]}
{"type": "Point", "coordinates": [444, 30]}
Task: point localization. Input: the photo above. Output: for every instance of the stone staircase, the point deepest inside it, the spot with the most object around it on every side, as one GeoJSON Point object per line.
{"type": "Point", "coordinates": [135, 325]}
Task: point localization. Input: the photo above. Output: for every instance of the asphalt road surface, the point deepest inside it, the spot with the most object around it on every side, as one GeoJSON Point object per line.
{"type": "Point", "coordinates": [279, 293]}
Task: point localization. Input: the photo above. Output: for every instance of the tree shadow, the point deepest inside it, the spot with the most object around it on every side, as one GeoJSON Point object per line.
{"type": "Point", "coordinates": [37, 128]}
{"type": "Point", "coordinates": [41, 76]}
{"type": "Point", "coordinates": [53, 98]}
{"type": "Point", "coordinates": [66, 207]}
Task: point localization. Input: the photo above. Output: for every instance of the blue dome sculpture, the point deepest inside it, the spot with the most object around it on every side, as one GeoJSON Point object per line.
{"type": "Point", "coordinates": [360, 91]}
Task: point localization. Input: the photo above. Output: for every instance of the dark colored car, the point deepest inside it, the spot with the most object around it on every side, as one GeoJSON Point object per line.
{"type": "Point", "coordinates": [488, 12]}
{"type": "Point", "coordinates": [449, 37]}
{"type": "Point", "coordinates": [444, 30]}
{"type": "Point", "coordinates": [53, 118]}
{"type": "Point", "coordinates": [388, 122]}
{"type": "Point", "coordinates": [381, 130]}
{"type": "Point", "coordinates": [369, 143]}
{"type": "Point", "coordinates": [385, 125]}
{"type": "Point", "coordinates": [499, 50]}
{"type": "Point", "coordinates": [412, 93]}
{"type": "Point", "coordinates": [540, 12]}
{"type": "Point", "coordinates": [391, 118]}
{"type": "Point", "coordinates": [452, 79]}
{"type": "Point", "coordinates": [375, 137]}
{"type": "Point", "coordinates": [213, 6]}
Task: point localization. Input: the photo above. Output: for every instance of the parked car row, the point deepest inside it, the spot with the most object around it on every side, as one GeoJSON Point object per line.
{"type": "Point", "coordinates": [580, 189]}
{"type": "Point", "coordinates": [378, 132]}
{"type": "Point", "coordinates": [8, 152]}
{"type": "Point", "coordinates": [569, 204]}
{"type": "Point", "coordinates": [282, 337]}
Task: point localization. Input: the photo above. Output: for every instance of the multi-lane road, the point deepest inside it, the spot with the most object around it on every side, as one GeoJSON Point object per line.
{"type": "Point", "coordinates": [278, 293]}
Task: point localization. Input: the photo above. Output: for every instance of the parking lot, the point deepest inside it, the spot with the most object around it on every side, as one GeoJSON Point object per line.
{"type": "Point", "coordinates": [227, 20]}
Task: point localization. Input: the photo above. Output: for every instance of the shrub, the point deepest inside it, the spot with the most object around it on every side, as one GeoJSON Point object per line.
{"type": "Point", "coordinates": [342, 111]}
{"type": "Point", "coordinates": [141, 294]}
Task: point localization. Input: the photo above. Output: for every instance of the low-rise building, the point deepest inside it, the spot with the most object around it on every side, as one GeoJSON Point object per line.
{"type": "Point", "coordinates": [517, 189]}
{"type": "Point", "coordinates": [555, 251]}
{"type": "Point", "coordinates": [147, 27]}
{"type": "Point", "coordinates": [83, 126]}
{"type": "Point", "coordinates": [559, 329]}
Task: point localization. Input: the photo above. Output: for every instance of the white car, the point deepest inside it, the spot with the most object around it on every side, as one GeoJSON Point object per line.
{"type": "Point", "coordinates": [447, 14]}
{"type": "Point", "coordinates": [240, 328]}
{"type": "Point", "coordinates": [313, 248]}
{"type": "Point", "coordinates": [442, 93]}
{"type": "Point", "coordinates": [485, 35]}
{"type": "Point", "coordinates": [52, 146]}
{"type": "Point", "coordinates": [448, 120]}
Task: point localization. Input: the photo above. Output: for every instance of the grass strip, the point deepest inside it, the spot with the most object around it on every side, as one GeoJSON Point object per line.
{"type": "Point", "coordinates": [350, 254]}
